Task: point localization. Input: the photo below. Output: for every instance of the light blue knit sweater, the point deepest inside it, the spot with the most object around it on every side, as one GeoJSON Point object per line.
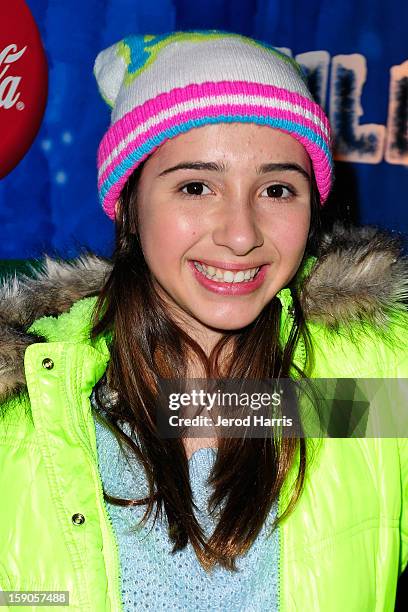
{"type": "Point", "coordinates": [152, 578]}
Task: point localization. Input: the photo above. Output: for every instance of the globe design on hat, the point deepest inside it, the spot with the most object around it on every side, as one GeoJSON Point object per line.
{"type": "Point", "coordinates": [160, 86]}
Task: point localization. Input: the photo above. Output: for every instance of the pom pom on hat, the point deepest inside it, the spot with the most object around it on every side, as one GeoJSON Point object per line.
{"type": "Point", "coordinates": [160, 86]}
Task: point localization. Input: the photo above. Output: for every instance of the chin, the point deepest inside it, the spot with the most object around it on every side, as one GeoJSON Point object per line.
{"type": "Point", "coordinates": [229, 323]}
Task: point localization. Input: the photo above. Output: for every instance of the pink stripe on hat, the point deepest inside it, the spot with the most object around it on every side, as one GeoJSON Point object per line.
{"type": "Point", "coordinates": [165, 101]}
{"type": "Point", "coordinates": [117, 137]}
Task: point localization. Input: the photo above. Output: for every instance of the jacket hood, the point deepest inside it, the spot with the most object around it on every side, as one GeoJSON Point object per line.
{"type": "Point", "coordinates": [360, 274]}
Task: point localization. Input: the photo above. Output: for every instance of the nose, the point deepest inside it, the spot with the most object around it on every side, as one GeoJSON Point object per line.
{"type": "Point", "coordinates": [237, 228]}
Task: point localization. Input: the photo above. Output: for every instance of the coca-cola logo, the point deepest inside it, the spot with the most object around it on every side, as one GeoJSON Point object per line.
{"type": "Point", "coordinates": [23, 82]}
{"type": "Point", "coordinates": [9, 84]}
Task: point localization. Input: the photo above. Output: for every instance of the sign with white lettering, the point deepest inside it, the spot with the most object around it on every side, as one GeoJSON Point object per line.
{"type": "Point", "coordinates": [23, 83]}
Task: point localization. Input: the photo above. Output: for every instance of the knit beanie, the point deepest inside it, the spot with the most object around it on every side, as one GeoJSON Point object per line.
{"type": "Point", "coordinates": [160, 86]}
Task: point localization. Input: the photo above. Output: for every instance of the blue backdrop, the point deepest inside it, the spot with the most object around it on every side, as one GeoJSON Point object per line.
{"type": "Point", "coordinates": [356, 55]}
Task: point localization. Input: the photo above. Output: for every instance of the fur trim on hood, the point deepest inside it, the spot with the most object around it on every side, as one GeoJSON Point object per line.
{"type": "Point", "coordinates": [360, 274]}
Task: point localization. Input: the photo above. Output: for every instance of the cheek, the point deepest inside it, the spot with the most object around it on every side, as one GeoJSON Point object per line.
{"type": "Point", "coordinates": [289, 234]}
{"type": "Point", "coordinates": [165, 237]}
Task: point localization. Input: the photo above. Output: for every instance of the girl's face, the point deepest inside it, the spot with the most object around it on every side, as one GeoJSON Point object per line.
{"type": "Point", "coordinates": [234, 197]}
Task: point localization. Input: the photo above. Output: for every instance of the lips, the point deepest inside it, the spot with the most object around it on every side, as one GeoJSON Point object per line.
{"type": "Point", "coordinates": [230, 288]}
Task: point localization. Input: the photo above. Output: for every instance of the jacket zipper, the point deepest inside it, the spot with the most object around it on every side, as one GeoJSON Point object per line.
{"type": "Point", "coordinates": [279, 559]}
{"type": "Point", "coordinates": [118, 573]}
{"type": "Point", "coordinates": [116, 562]}
{"type": "Point", "coordinates": [107, 525]}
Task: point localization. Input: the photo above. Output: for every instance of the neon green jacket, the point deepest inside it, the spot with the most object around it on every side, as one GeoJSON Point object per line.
{"type": "Point", "coordinates": [346, 542]}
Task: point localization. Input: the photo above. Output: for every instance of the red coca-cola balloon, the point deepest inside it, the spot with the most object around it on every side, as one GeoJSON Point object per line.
{"type": "Point", "coordinates": [23, 82]}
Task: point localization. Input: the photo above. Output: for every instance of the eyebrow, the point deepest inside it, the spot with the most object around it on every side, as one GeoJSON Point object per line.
{"type": "Point", "coordinates": [222, 168]}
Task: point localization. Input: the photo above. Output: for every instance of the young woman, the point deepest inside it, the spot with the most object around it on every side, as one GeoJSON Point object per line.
{"type": "Point", "coordinates": [214, 170]}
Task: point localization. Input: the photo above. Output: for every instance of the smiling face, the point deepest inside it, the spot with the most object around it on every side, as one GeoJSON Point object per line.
{"type": "Point", "coordinates": [232, 196]}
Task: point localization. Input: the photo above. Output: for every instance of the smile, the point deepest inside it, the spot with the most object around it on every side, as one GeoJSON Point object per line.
{"type": "Point", "coordinates": [228, 282]}
{"type": "Point", "coordinates": [226, 276]}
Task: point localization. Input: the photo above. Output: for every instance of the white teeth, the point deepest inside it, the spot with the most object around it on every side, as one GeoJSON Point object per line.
{"type": "Point", "coordinates": [226, 276]}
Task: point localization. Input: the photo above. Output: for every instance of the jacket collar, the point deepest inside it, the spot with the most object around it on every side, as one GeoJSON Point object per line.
{"type": "Point", "coordinates": [359, 274]}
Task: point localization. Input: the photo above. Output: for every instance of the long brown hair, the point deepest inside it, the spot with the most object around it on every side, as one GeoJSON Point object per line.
{"type": "Point", "coordinates": [147, 344]}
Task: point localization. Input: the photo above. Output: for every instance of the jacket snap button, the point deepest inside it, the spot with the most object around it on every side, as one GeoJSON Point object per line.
{"type": "Point", "coordinates": [78, 519]}
{"type": "Point", "coordinates": [48, 363]}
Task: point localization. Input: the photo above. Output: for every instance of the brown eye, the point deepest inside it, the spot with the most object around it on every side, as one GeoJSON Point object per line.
{"type": "Point", "coordinates": [279, 192]}
{"type": "Point", "coordinates": [194, 189]}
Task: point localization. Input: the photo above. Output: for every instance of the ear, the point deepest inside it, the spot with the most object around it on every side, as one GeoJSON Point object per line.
{"type": "Point", "coordinates": [117, 209]}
